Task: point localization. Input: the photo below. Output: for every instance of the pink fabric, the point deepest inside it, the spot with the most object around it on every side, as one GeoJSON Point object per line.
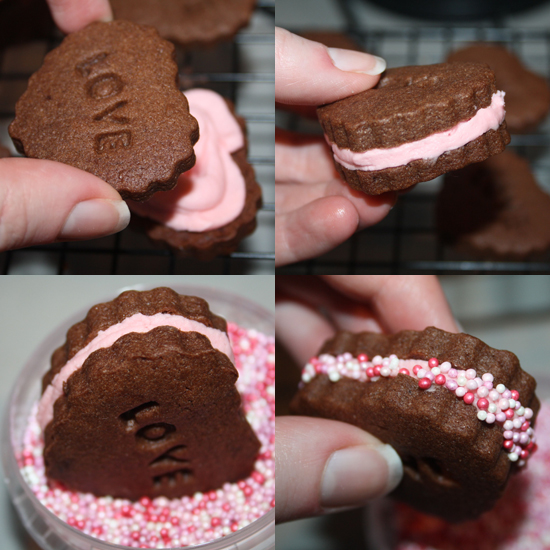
{"type": "Point", "coordinates": [106, 338]}
{"type": "Point", "coordinates": [211, 194]}
{"type": "Point", "coordinates": [489, 118]}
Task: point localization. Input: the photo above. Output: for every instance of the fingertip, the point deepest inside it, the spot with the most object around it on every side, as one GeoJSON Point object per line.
{"type": "Point", "coordinates": [71, 16]}
{"type": "Point", "coordinates": [309, 73]}
{"type": "Point", "coordinates": [357, 62]}
{"type": "Point", "coordinates": [325, 466]}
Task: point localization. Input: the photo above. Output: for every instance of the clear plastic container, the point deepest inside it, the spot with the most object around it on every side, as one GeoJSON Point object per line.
{"type": "Point", "coordinates": [50, 532]}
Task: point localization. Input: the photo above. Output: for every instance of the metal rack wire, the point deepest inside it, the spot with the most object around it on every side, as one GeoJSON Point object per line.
{"type": "Point", "coordinates": [243, 71]}
{"type": "Point", "coordinates": [406, 241]}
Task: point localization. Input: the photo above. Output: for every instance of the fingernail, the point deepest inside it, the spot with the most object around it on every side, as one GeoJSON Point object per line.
{"type": "Point", "coordinates": [95, 218]}
{"type": "Point", "coordinates": [356, 475]}
{"type": "Point", "coordinates": [357, 62]}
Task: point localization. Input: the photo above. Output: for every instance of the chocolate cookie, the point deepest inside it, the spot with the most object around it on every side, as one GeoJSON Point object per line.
{"type": "Point", "coordinates": [458, 443]}
{"type": "Point", "coordinates": [150, 378]}
{"type": "Point", "coordinates": [527, 93]}
{"type": "Point", "coordinates": [106, 101]}
{"type": "Point", "coordinates": [214, 205]}
{"type": "Point", "coordinates": [418, 123]}
{"type": "Point", "coordinates": [495, 209]}
{"type": "Point", "coordinates": [188, 22]}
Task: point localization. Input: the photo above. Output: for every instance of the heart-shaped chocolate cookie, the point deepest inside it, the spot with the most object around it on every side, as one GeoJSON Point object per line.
{"type": "Point", "coordinates": [107, 101]}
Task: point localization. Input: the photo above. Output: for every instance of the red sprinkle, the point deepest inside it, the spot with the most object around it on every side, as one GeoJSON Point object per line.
{"type": "Point", "coordinates": [525, 426]}
{"type": "Point", "coordinates": [362, 358]}
{"type": "Point", "coordinates": [424, 383]}
{"type": "Point", "coordinates": [482, 404]}
{"type": "Point", "coordinates": [508, 444]}
{"type": "Point", "coordinates": [469, 398]}
{"type": "Point", "coordinates": [416, 368]}
{"type": "Point", "coordinates": [440, 379]}
{"type": "Point", "coordinates": [377, 370]}
{"type": "Point", "coordinates": [515, 395]}
{"type": "Point", "coordinates": [433, 362]}
{"type": "Point", "coordinates": [509, 413]}
{"type": "Point", "coordinates": [370, 372]}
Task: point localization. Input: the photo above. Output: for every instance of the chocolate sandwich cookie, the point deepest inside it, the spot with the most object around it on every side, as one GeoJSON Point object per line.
{"type": "Point", "coordinates": [214, 205]}
{"type": "Point", "coordinates": [107, 101]}
{"type": "Point", "coordinates": [495, 209]}
{"type": "Point", "coordinates": [459, 413]}
{"type": "Point", "coordinates": [188, 22]}
{"type": "Point", "coordinates": [527, 93]}
{"type": "Point", "coordinates": [150, 377]}
{"type": "Point", "coordinates": [418, 123]}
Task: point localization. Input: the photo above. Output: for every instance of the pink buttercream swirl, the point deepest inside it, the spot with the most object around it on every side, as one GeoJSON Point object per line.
{"type": "Point", "coordinates": [213, 193]}
{"type": "Point", "coordinates": [429, 148]}
{"type": "Point", "coordinates": [105, 338]}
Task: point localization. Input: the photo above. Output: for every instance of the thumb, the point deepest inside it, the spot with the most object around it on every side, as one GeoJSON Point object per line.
{"type": "Point", "coordinates": [309, 73]}
{"type": "Point", "coordinates": [326, 466]}
{"type": "Point", "coordinates": [43, 201]}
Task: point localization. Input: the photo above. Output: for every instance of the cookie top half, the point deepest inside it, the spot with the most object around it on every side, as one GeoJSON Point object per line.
{"type": "Point", "coordinates": [107, 101]}
{"type": "Point", "coordinates": [409, 104]}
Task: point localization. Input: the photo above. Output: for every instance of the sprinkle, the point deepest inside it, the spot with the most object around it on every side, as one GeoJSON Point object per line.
{"type": "Point", "coordinates": [424, 383]}
{"type": "Point", "coordinates": [385, 371]}
{"type": "Point", "coordinates": [461, 391]}
{"type": "Point", "coordinates": [445, 367]}
{"type": "Point", "coordinates": [482, 415]}
{"type": "Point", "coordinates": [501, 388]}
{"type": "Point", "coordinates": [482, 404]}
{"type": "Point", "coordinates": [469, 398]}
{"type": "Point", "coordinates": [440, 379]}
{"type": "Point", "coordinates": [433, 362]}
{"type": "Point", "coordinates": [334, 376]}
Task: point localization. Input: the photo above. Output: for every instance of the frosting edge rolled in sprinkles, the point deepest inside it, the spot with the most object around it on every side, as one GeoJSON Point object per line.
{"type": "Point", "coordinates": [494, 403]}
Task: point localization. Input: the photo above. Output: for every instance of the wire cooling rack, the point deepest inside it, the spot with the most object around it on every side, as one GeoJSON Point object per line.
{"type": "Point", "coordinates": [243, 71]}
{"type": "Point", "coordinates": [406, 241]}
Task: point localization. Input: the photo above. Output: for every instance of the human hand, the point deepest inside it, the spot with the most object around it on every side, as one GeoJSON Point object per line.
{"type": "Point", "coordinates": [43, 201]}
{"type": "Point", "coordinates": [315, 209]}
{"type": "Point", "coordinates": [323, 465]}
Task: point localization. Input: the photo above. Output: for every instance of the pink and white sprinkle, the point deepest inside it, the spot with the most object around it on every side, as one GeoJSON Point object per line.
{"type": "Point", "coordinates": [187, 521]}
{"type": "Point", "coordinates": [494, 403]}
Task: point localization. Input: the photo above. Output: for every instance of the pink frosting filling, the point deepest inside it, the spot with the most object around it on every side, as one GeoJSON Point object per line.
{"type": "Point", "coordinates": [211, 194]}
{"type": "Point", "coordinates": [136, 323]}
{"type": "Point", "coordinates": [431, 147]}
